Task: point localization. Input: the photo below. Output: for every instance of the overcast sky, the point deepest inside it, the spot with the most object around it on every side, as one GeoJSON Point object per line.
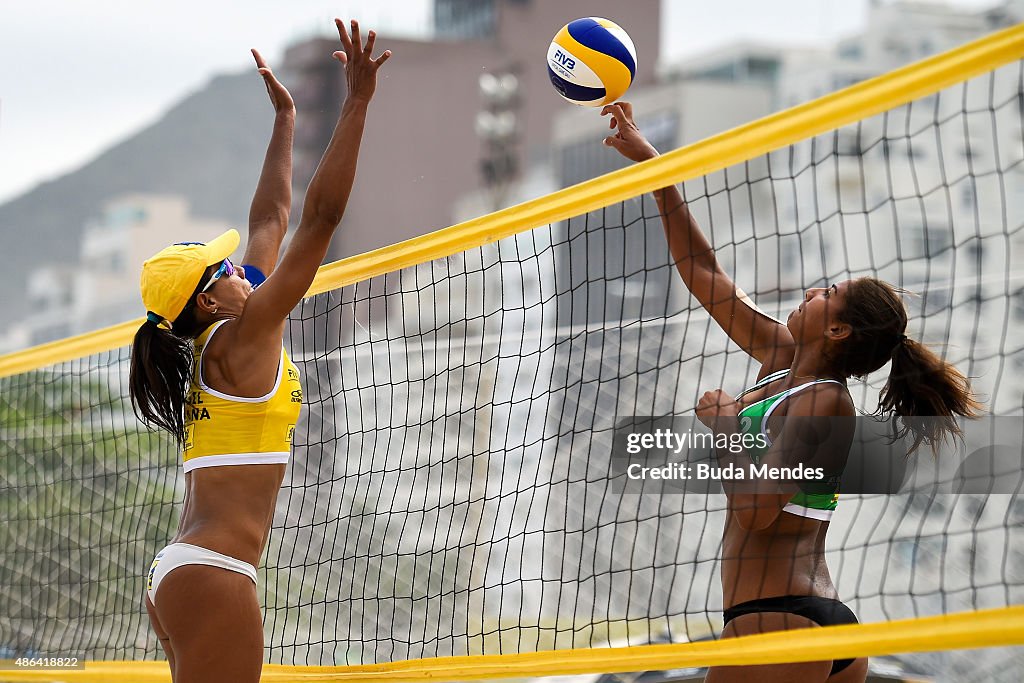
{"type": "Point", "coordinates": [77, 76]}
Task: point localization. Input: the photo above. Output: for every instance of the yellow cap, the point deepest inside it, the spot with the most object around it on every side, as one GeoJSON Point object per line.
{"type": "Point", "coordinates": [169, 278]}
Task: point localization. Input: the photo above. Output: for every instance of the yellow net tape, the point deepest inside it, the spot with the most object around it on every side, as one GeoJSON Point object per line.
{"type": "Point", "coordinates": [963, 630]}
{"type": "Point", "coordinates": [726, 149]}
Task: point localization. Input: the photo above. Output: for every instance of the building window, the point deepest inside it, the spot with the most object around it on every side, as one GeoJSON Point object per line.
{"type": "Point", "coordinates": [968, 195]}
{"type": "Point", "coordinates": [760, 69]}
{"type": "Point", "coordinates": [847, 143]}
{"type": "Point", "coordinates": [840, 82]}
{"type": "Point", "coordinates": [1018, 312]}
{"type": "Point", "coordinates": [851, 51]}
{"type": "Point", "coordinates": [935, 300]}
{"type": "Point", "coordinates": [463, 19]}
{"type": "Point", "coordinates": [975, 254]}
{"type": "Point", "coordinates": [925, 242]}
{"type": "Point", "coordinates": [1017, 516]}
{"type": "Point", "coordinates": [726, 72]}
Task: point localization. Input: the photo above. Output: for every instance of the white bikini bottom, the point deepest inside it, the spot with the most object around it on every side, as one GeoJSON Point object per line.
{"type": "Point", "coordinates": [179, 554]}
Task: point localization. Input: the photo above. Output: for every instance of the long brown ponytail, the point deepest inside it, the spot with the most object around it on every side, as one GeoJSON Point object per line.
{"type": "Point", "coordinates": [925, 392]}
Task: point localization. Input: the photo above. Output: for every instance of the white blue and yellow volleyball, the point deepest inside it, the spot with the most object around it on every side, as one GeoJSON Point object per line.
{"type": "Point", "coordinates": [591, 62]}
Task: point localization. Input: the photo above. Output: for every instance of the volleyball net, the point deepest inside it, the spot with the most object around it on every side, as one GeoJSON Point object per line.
{"type": "Point", "coordinates": [454, 503]}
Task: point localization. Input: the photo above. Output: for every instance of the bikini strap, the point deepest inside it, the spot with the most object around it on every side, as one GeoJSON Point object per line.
{"type": "Point", "coordinates": [794, 390]}
{"type": "Point", "coordinates": [767, 379]}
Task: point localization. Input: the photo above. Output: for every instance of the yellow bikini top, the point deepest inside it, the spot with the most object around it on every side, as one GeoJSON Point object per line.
{"type": "Point", "coordinates": [221, 429]}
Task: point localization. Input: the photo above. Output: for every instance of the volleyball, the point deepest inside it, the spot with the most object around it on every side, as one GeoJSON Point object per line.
{"type": "Point", "coordinates": [591, 61]}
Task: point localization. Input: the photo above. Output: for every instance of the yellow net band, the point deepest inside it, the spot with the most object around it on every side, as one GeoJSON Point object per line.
{"type": "Point", "coordinates": [726, 149]}
{"type": "Point", "coordinates": [983, 628]}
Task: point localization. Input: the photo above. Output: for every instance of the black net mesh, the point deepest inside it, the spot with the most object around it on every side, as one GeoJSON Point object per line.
{"type": "Point", "coordinates": [451, 487]}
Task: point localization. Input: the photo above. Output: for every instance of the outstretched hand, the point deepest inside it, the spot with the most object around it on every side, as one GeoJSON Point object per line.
{"type": "Point", "coordinates": [360, 67]}
{"type": "Point", "coordinates": [627, 139]}
{"type": "Point", "coordinates": [279, 95]}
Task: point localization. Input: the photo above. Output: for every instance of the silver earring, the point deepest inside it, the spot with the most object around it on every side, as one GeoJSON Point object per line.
{"type": "Point", "coordinates": [215, 311]}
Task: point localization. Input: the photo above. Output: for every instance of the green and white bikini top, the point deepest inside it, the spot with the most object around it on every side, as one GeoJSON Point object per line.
{"type": "Point", "coordinates": [816, 500]}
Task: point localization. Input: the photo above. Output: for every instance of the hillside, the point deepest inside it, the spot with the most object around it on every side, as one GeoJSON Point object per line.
{"type": "Point", "coordinates": [207, 148]}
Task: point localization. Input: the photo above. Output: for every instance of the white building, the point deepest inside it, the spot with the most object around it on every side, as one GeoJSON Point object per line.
{"type": "Point", "coordinates": [102, 289]}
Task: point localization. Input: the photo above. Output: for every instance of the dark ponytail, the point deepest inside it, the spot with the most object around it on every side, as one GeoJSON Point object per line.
{"type": "Point", "coordinates": [927, 394]}
{"type": "Point", "coordinates": [924, 391]}
{"type": "Point", "coordinates": [161, 369]}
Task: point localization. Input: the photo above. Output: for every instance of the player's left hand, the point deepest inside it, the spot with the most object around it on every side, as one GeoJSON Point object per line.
{"type": "Point", "coordinates": [714, 405]}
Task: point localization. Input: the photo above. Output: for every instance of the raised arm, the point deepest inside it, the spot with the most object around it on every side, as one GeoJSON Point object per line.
{"type": "Point", "coordinates": [272, 201]}
{"type": "Point", "coordinates": [760, 335]}
{"type": "Point", "coordinates": [326, 197]}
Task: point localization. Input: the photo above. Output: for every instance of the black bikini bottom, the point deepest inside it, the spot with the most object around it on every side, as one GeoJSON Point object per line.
{"type": "Point", "coordinates": [822, 611]}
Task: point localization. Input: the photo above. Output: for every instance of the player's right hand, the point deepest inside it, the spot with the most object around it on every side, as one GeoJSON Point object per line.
{"type": "Point", "coordinates": [627, 138]}
{"type": "Point", "coordinates": [360, 67]}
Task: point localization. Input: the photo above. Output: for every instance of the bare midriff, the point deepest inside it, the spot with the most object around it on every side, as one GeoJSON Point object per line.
{"type": "Point", "coordinates": [230, 509]}
{"type": "Point", "coordinates": [787, 558]}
